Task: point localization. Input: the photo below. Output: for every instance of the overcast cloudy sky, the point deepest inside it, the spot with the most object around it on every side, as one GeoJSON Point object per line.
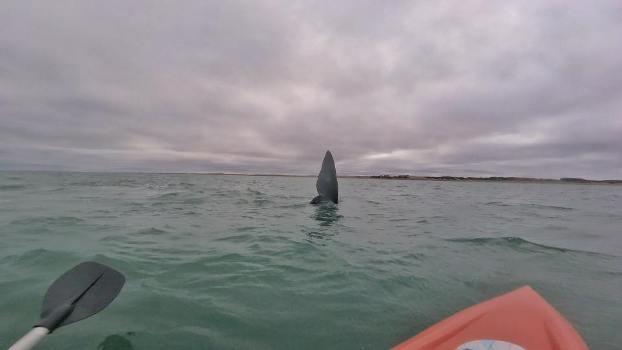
{"type": "Point", "coordinates": [422, 87]}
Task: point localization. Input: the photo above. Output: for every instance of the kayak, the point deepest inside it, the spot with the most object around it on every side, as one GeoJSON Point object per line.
{"type": "Point", "coordinates": [518, 320]}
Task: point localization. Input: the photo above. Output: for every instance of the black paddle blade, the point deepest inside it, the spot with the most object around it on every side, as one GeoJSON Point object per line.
{"type": "Point", "coordinates": [81, 292]}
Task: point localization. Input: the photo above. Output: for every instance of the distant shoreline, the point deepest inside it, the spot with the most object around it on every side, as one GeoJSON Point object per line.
{"type": "Point", "coordinates": [563, 180]}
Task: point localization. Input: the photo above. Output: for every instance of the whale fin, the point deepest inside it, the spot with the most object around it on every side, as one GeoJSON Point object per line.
{"type": "Point", "coordinates": [316, 200]}
{"type": "Point", "coordinates": [327, 186]}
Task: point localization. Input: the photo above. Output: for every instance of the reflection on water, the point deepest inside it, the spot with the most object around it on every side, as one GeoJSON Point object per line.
{"type": "Point", "coordinates": [326, 214]}
{"type": "Point", "coordinates": [115, 342]}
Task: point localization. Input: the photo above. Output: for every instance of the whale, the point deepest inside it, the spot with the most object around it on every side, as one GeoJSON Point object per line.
{"type": "Point", "coordinates": [326, 185]}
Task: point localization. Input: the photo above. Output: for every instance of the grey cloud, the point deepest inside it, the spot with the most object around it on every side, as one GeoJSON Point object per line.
{"type": "Point", "coordinates": [509, 88]}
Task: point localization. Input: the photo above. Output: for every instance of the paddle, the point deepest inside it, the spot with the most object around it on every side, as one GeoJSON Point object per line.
{"type": "Point", "coordinates": [79, 293]}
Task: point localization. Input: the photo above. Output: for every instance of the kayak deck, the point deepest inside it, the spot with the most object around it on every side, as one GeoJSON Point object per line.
{"type": "Point", "coordinates": [518, 320]}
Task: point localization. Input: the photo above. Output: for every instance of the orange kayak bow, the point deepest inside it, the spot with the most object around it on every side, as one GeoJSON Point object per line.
{"type": "Point", "coordinates": [519, 320]}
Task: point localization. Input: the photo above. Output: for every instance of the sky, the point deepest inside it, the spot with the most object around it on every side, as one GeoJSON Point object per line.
{"type": "Point", "coordinates": [473, 88]}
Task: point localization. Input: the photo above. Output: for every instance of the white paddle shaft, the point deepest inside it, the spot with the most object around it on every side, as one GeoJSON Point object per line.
{"type": "Point", "coordinates": [31, 339]}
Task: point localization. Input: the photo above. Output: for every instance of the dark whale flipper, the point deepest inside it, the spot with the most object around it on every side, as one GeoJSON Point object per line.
{"type": "Point", "coordinates": [326, 184]}
{"type": "Point", "coordinates": [316, 200]}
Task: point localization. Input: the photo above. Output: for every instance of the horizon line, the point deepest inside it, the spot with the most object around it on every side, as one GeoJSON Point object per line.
{"type": "Point", "coordinates": [385, 176]}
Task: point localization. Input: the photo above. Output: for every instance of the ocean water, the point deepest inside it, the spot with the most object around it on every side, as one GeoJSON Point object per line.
{"type": "Point", "coordinates": [241, 262]}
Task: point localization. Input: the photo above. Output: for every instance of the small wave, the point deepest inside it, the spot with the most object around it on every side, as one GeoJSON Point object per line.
{"type": "Point", "coordinates": [255, 192]}
{"type": "Point", "coordinates": [104, 183]}
{"type": "Point", "coordinates": [241, 238]}
{"type": "Point", "coordinates": [12, 187]}
{"type": "Point", "coordinates": [260, 202]}
{"type": "Point", "coordinates": [123, 183]}
{"type": "Point", "coordinates": [497, 203]}
{"type": "Point", "coordinates": [513, 242]}
{"type": "Point", "coordinates": [294, 206]}
{"type": "Point", "coordinates": [232, 193]}
{"type": "Point", "coordinates": [39, 256]}
{"type": "Point", "coordinates": [103, 216]}
{"type": "Point", "coordinates": [151, 232]}
{"type": "Point", "coordinates": [184, 185]}
{"type": "Point", "coordinates": [246, 228]}
{"type": "Point", "coordinates": [60, 220]}
{"type": "Point", "coordinates": [169, 195]}
{"type": "Point", "coordinates": [544, 206]}
{"type": "Point", "coordinates": [57, 189]}
{"type": "Point", "coordinates": [194, 201]}
{"type": "Point", "coordinates": [399, 219]}
{"type": "Point", "coordinates": [528, 205]}
{"type": "Point", "coordinates": [319, 235]}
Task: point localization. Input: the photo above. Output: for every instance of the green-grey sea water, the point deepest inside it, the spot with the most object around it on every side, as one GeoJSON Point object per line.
{"type": "Point", "coordinates": [244, 262]}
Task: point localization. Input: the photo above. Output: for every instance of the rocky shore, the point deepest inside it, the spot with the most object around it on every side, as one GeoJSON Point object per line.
{"type": "Point", "coordinates": [572, 180]}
